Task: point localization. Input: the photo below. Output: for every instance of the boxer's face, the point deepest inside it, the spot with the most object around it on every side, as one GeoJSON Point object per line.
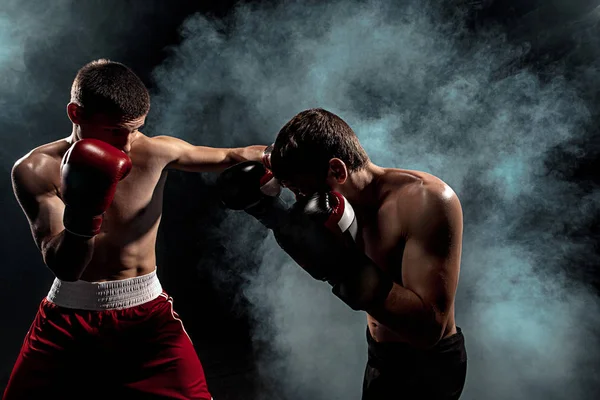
{"type": "Point", "coordinates": [111, 129]}
{"type": "Point", "coordinates": [305, 184]}
{"type": "Point", "coordinates": [118, 133]}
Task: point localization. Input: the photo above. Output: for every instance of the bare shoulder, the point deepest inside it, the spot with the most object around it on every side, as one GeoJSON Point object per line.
{"type": "Point", "coordinates": [38, 171]}
{"type": "Point", "coordinates": [157, 140]}
{"type": "Point", "coordinates": [163, 148]}
{"type": "Point", "coordinates": [166, 143]}
{"type": "Point", "coordinates": [179, 154]}
{"type": "Point", "coordinates": [420, 200]}
{"type": "Point", "coordinates": [150, 151]}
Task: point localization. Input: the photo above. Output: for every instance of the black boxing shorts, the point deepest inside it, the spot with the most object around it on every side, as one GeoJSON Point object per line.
{"type": "Point", "coordinates": [399, 371]}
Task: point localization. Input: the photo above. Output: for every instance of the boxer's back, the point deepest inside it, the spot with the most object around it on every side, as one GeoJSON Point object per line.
{"type": "Point", "coordinates": [125, 246]}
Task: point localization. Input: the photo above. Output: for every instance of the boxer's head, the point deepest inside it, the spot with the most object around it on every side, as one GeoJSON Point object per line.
{"type": "Point", "coordinates": [108, 102]}
{"type": "Point", "coordinates": [316, 150]}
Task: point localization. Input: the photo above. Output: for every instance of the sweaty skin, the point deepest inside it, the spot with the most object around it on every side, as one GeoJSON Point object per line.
{"type": "Point", "coordinates": [410, 225]}
{"type": "Point", "coordinates": [408, 206]}
{"type": "Point", "coordinates": [125, 247]}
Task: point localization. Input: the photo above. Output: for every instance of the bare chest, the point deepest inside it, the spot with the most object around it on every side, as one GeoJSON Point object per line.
{"type": "Point", "coordinates": [138, 201]}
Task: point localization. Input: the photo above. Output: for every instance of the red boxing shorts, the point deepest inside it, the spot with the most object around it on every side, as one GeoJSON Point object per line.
{"type": "Point", "coordinates": [107, 340]}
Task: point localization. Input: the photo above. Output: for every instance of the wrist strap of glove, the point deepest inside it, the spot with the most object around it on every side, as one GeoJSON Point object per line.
{"type": "Point", "coordinates": [81, 224]}
{"type": "Point", "coordinates": [266, 157]}
{"type": "Point", "coordinates": [270, 186]}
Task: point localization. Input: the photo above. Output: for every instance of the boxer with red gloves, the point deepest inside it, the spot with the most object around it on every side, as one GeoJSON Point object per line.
{"type": "Point", "coordinates": [402, 265]}
{"type": "Point", "coordinates": [94, 201]}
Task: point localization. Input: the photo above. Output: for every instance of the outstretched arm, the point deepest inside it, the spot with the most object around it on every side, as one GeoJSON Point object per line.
{"type": "Point", "coordinates": [187, 157]}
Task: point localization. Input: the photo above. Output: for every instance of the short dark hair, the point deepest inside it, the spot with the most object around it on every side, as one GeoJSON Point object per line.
{"type": "Point", "coordinates": [109, 87]}
{"type": "Point", "coordinates": [309, 140]}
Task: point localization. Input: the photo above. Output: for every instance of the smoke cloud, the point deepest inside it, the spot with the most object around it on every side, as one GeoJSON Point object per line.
{"type": "Point", "coordinates": [421, 93]}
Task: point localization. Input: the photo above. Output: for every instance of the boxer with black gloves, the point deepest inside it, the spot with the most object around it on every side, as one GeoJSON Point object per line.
{"type": "Point", "coordinates": [403, 266]}
{"type": "Point", "coordinates": [93, 201]}
{"type": "Point", "coordinates": [317, 232]}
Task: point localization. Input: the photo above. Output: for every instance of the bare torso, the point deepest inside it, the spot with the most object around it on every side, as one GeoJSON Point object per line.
{"type": "Point", "coordinates": [125, 247]}
{"type": "Point", "coordinates": [380, 232]}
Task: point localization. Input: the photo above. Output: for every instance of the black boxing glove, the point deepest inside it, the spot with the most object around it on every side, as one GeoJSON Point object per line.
{"type": "Point", "coordinates": [320, 237]}
{"type": "Point", "coordinates": [251, 187]}
{"type": "Point", "coordinates": [318, 233]}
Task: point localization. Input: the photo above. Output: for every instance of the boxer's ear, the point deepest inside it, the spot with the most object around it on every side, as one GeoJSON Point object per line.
{"type": "Point", "coordinates": [75, 113]}
{"type": "Point", "coordinates": [338, 171]}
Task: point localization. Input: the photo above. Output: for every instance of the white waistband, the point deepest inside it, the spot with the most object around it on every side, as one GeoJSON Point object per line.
{"type": "Point", "coordinates": [111, 295]}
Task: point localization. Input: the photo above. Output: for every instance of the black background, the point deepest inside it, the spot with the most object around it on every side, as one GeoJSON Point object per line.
{"type": "Point", "coordinates": [215, 319]}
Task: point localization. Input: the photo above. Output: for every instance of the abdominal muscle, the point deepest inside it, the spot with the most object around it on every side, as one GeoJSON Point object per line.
{"type": "Point", "coordinates": [381, 333]}
{"type": "Point", "coordinates": [116, 259]}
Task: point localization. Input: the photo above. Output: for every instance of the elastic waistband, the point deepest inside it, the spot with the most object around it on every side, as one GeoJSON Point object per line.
{"type": "Point", "coordinates": [449, 348]}
{"type": "Point", "coordinates": [99, 296]}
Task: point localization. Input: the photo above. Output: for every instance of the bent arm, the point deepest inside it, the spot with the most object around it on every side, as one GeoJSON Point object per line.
{"type": "Point", "coordinates": [68, 255]}
{"type": "Point", "coordinates": [184, 156]}
{"type": "Point", "coordinates": [65, 254]}
{"type": "Point", "coordinates": [419, 309]}
{"type": "Point", "coordinates": [410, 316]}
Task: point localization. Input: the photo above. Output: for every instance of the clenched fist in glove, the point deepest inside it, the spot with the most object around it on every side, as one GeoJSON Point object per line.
{"type": "Point", "coordinates": [322, 242]}
{"type": "Point", "coordinates": [249, 186]}
{"type": "Point", "coordinates": [90, 172]}
{"type": "Point", "coordinates": [317, 232]}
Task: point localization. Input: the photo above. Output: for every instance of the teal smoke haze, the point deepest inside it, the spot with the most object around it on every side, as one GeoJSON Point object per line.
{"type": "Point", "coordinates": [420, 96]}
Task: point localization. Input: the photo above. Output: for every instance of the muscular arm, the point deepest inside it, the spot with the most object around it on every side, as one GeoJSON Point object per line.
{"type": "Point", "coordinates": [187, 157]}
{"type": "Point", "coordinates": [65, 254]}
{"type": "Point", "coordinates": [418, 309]}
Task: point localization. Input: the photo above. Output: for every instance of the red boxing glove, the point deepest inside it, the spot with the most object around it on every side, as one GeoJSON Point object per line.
{"type": "Point", "coordinates": [90, 171]}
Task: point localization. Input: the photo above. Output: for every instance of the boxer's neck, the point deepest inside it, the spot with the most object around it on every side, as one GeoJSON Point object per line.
{"type": "Point", "coordinates": [74, 136]}
{"type": "Point", "coordinates": [361, 186]}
